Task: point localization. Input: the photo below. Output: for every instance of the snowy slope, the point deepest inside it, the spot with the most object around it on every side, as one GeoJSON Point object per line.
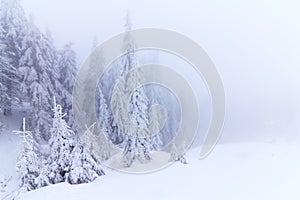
{"type": "Point", "coordinates": [233, 171]}
{"type": "Point", "coordinates": [9, 143]}
{"type": "Point", "coordinates": [244, 171]}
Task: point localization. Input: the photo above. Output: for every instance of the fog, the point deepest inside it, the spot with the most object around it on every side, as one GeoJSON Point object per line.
{"type": "Point", "coordinates": [254, 44]}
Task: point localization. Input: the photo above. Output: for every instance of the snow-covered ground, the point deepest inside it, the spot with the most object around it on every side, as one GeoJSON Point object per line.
{"type": "Point", "coordinates": [244, 171]}
{"type": "Point", "coordinates": [233, 171]}
{"type": "Point", "coordinates": [9, 151]}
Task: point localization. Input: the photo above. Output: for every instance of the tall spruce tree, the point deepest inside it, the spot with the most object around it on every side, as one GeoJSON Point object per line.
{"type": "Point", "coordinates": [12, 22]}
{"type": "Point", "coordinates": [66, 76]}
{"type": "Point", "coordinates": [5, 79]}
{"type": "Point", "coordinates": [135, 139]}
{"type": "Point", "coordinates": [38, 76]}
{"type": "Point", "coordinates": [103, 113]}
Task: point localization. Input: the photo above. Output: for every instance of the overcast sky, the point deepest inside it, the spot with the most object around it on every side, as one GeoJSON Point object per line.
{"type": "Point", "coordinates": [255, 45]}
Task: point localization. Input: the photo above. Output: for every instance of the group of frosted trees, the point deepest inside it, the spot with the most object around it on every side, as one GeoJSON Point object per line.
{"type": "Point", "coordinates": [32, 69]}
{"type": "Point", "coordinates": [68, 160]}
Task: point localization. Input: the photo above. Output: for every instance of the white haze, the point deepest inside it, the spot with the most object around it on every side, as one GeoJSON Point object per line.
{"type": "Point", "coordinates": [255, 45]}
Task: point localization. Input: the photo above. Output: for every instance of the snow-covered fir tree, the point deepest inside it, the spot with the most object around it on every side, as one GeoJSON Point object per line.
{"type": "Point", "coordinates": [118, 107]}
{"type": "Point", "coordinates": [67, 67]}
{"type": "Point", "coordinates": [135, 139]}
{"type": "Point", "coordinates": [67, 72]}
{"type": "Point", "coordinates": [103, 113]}
{"type": "Point", "coordinates": [84, 167]}
{"type": "Point", "coordinates": [175, 155]}
{"type": "Point", "coordinates": [97, 143]}
{"type": "Point", "coordinates": [69, 160]}
{"type": "Point", "coordinates": [62, 144]}
{"type": "Point", "coordinates": [38, 74]}
{"type": "Point", "coordinates": [5, 80]}
{"type": "Point", "coordinates": [104, 128]}
{"type": "Point", "coordinates": [138, 144]}
{"type": "Point", "coordinates": [29, 166]}
{"type": "Point", "coordinates": [119, 104]}
{"type": "Point", "coordinates": [12, 22]}
{"type": "Point", "coordinates": [7, 92]}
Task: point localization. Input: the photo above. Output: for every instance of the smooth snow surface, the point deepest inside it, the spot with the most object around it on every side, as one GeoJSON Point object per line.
{"type": "Point", "coordinates": [242, 171]}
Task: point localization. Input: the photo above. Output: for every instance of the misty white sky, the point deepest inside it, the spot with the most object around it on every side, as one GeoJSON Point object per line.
{"type": "Point", "coordinates": [255, 44]}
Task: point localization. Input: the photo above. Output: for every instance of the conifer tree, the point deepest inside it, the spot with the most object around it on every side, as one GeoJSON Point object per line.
{"type": "Point", "coordinates": [66, 77]}
{"type": "Point", "coordinates": [84, 168]}
{"type": "Point", "coordinates": [69, 160]}
{"type": "Point", "coordinates": [38, 75]}
{"type": "Point", "coordinates": [62, 144]}
{"type": "Point", "coordinates": [98, 144]}
{"type": "Point", "coordinates": [12, 23]}
{"type": "Point", "coordinates": [135, 139]}
{"type": "Point", "coordinates": [29, 166]}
